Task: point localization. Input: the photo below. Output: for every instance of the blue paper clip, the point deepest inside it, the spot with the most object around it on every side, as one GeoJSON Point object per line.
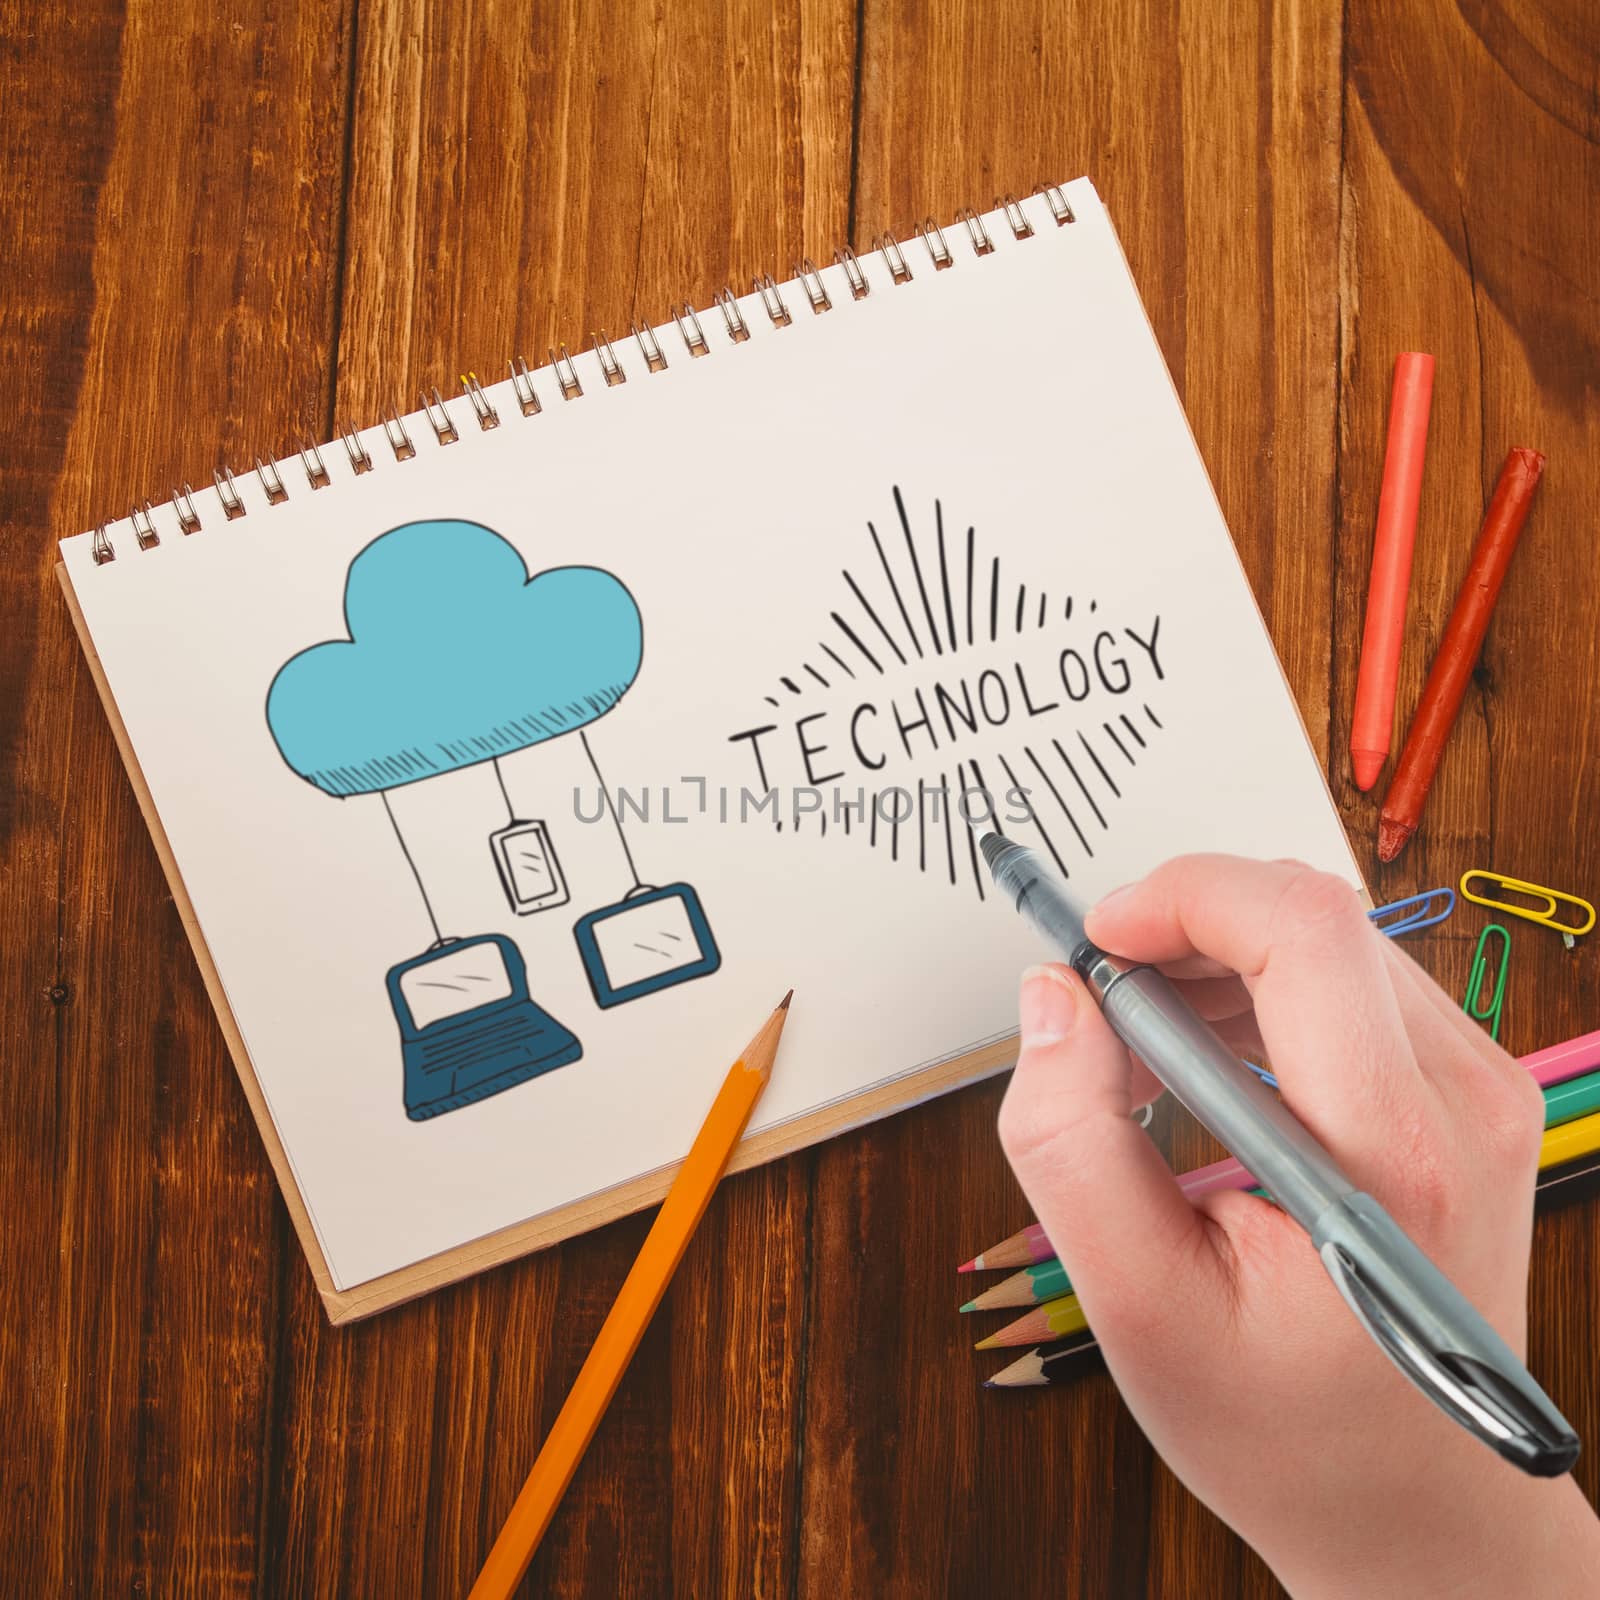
{"type": "Point", "coordinates": [1414, 912]}
{"type": "Point", "coordinates": [1262, 1073]}
{"type": "Point", "coordinates": [1476, 1006]}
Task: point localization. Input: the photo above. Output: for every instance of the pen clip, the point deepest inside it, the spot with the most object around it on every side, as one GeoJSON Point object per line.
{"type": "Point", "coordinates": [1438, 1341]}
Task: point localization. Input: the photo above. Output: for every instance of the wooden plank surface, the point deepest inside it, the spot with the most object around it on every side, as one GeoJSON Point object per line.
{"type": "Point", "coordinates": [171, 185]}
{"type": "Point", "coordinates": [219, 230]}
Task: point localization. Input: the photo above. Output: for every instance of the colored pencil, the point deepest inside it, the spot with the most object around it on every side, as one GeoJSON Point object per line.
{"type": "Point", "coordinates": [1021, 1249]}
{"type": "Point", "coordinates": [1059, 1319]}
{"type": "Point", "coordinates": [1551, 1178]}
{"type": "Point", "coordinates": [1054, 1366]}
{"type": "Point", "coordinates": [1558, 1062]}
{"type": "Point", "coordinates": [1392, 544]}
{"type": "Point", "coordinates": [1570, 1142]}
{"type": "Point", "coordinates": [1458, 651]}
{"type": "Point", "coordinates": [1030, 1287]}
{"type": "Point", "coordinates": [1040, 1368]}
{"type": "Point", "coordinates": [1055, 1319]}
{"type": "Point", "coordinates": [1047, 1280]}
{"type": "Point", "coordinates": [1555, 1064]}
{"type": "Point", "coordinates": [1567, 1102]}
{"type": "Point", "coordinates": [636, 1303]}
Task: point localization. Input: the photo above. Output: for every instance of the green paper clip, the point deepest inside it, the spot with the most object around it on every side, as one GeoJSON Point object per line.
{"type": "Point", "coordinates": [1474, 1005]}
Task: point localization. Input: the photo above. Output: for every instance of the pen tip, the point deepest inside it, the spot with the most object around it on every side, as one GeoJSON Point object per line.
{"type": "Point", "coordinates": [783, 1004]}
{"type": "Point", "coordinates": [992, 845]}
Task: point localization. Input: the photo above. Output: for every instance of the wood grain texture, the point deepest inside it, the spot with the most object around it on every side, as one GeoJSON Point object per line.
{"type": "Point", "coordinates": [170, 231]}
{"type": "Point", "coordinates": [217, 230]}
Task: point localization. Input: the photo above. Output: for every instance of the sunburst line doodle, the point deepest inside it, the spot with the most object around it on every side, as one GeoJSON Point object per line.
{"type": "Point", "coordinates": [933, 595]}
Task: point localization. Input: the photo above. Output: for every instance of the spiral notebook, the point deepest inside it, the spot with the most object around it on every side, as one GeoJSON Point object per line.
{"type": "Point", "coordinates": [511, 758]}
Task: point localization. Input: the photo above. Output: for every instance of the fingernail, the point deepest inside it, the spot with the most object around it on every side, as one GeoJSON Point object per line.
{"type": "Point", "coordinates": [1046, 1006]}
{"type": "Point", "coordinates": [1116, 895]}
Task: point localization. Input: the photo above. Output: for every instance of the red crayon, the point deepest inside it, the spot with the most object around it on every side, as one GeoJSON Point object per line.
{"type": "Point", "coordinates": [1458, 652]}
{"type": "Point", "coordinates": [1391, 566]}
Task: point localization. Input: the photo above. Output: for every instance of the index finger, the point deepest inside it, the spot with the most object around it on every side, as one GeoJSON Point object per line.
{"type": "Point", "coordinates": [1315, 966]}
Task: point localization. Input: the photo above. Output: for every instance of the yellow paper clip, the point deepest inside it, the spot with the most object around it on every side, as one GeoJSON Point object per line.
{"type": "Point", "coordinates": [1475, 1005]}
{"type": "Point", "coordinates": [1544, 911]}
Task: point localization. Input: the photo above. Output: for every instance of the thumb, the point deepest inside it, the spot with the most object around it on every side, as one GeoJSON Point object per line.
{"type": "Point", "coordinates": [1108, 1201]}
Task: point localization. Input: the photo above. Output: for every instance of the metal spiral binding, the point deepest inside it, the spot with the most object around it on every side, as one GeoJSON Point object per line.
{"type": "Point", "coordinates": [772, 301]}
{"type": "Point", "coordinates": [522, 386]}
{"type": "Point", "coordinates": [271, 482]}
{"type": "Point", "coordinates": [482, 407]}
{"type": "Point", "coordinates": [394, 430]}
{"type": "Point", "coordinates": [854, 276]}
{"type": "Point", "coordinates": [1057, 201]}
{"type": "Point", "coordinates": [738, 328]}
{"type": "Point", "coordinates": [228, 493]}
{"type": "Point", "coordinates": [360, 460]}
{"type": "Point", "coordinates": [932, 235]}
{"type": "Point", "coordinates": [444, 429]}
{"type": "Point", "coordinates": [982, 244]}
{"type": "Point", "coordinates": [649, 347]}
{"type": "Point", "coordinates": [144, 530]}
{"type": "Point", "coordinates": [610, 367]}
{"type": "Point", "coordinates": [694, 336]}
{"type": "Point", "coordinates": [316, 468]}
{"type": "Point", "coordinates": [183, 504]}
{"type": "Point", "coordinates": [1016, 217]}
{"type": "Point", "coordinates": [562, 367]}
{"type": "Point", "coordinates": [816, 290]}
{"type": "Point", "coordinates": [889, 249]}
{"type": "Point", "coordinates": [566, 374]}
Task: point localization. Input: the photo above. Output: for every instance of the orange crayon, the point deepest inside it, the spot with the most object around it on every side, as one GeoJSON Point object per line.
{"type": "Point", "coordinates": [1373, 723]}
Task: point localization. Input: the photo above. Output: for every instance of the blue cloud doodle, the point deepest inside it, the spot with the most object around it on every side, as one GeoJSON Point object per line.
{"type": "Point", "coordinates": [455, 655]}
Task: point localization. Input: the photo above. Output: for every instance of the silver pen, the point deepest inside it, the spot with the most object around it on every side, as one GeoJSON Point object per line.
{"type": "Point", "coordinates": [1417, 1317]}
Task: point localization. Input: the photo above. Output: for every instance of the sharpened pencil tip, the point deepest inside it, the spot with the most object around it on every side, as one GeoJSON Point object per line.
{"type": "Point", "coordinates": [991, 1343]}
{"type": "Point", "coordinates": [972, 1265]}
{"type": "Point", "coordinates": [783, 1004]}
{"type": "Point", "coordinates": [971, 1305]}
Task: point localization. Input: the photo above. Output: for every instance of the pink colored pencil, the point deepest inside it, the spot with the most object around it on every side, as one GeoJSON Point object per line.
{"type": "Point", "coordinates": [1562, 1061]}
{"type": "Point", "coordinates": [1556, 1064]}
{"type": "Point", "coordinates": [1022, 1249]}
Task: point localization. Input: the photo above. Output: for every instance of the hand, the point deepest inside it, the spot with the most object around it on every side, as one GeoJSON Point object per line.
{"type": "Point", "coordinates": [1228, 1341]}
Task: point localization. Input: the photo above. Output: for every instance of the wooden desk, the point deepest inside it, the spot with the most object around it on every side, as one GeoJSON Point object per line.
{"type": "Point", "coordinates": [220, 234]}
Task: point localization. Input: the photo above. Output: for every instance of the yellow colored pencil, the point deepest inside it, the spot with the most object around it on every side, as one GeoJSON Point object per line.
{"type": "Point", "coordinates": [1055, 1319]}
{"type": "Point", "coordinates": [1567, 1141]}
{"type": "Point", "coordinates": [636, 1303]}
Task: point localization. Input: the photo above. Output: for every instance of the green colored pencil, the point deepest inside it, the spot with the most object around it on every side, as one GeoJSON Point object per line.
{"type": "Point", "coordinates": [1030, 1287]}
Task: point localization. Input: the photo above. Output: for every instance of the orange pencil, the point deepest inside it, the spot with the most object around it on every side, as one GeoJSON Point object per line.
{"type": "Point", "coordinates": [624, 1326]}
{"type": "Point", "coordinates": [1392, 545]}
{"type": "Point", "coordinates": [1458, 651]}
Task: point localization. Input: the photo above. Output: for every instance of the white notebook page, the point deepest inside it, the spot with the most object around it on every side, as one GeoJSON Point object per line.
{"type": "Point", "coordinates": [755, 614]}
